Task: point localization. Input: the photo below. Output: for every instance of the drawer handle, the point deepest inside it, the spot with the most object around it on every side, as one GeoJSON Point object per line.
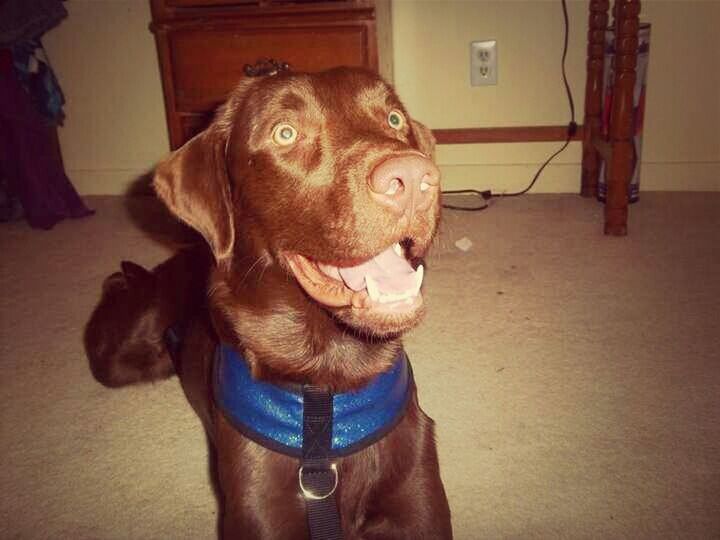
{"type": "Point", "coordinates": [266, 66]}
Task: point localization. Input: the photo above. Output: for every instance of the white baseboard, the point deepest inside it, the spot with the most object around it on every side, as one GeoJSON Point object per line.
{"type": "Point", "coordinates": [104, 182]}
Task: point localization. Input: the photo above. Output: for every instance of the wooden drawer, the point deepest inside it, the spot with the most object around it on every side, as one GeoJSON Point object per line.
{"type": "Point", "coordinates": [173, 10]}
{"type": "Point", "coordinates": [204, 45]}
{"type": "Point", "coordinates": [192, 124]}
{"type": "Point", "coordinates": [207, 61]}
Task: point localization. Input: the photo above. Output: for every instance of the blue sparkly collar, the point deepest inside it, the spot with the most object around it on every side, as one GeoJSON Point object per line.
{"type": "Point", "coordinates": [272, 415]}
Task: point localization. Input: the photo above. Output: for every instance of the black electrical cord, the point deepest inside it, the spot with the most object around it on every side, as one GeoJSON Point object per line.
{"type": "Point", "coordinates": [572, 129]}
{"type": "Point", "coordinates": [486, 195]}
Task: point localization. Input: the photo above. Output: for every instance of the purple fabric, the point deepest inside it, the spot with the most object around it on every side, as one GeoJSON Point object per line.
{"type": "Point", "coordinates": [30, 157]}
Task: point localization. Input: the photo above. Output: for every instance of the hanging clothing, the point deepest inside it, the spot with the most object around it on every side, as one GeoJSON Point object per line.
{"type": "Point", "coordinates": [32, 174]}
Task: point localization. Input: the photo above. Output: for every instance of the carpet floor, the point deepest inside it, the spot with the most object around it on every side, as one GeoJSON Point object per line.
{"type": "Point", "coordinates": [574, 379]}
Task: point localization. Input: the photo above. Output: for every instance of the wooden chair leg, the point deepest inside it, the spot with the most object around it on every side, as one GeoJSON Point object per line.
{"type": "Point", "coordinates": [627, 24]}
{"type": "Point", "coordinates": [597, 25]}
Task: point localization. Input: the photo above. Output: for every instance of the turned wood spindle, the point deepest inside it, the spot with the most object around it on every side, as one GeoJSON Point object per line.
{"type": "Point", "coordinates": [620, 168]}
{"type": "Point", "coordinates": [597, 25]}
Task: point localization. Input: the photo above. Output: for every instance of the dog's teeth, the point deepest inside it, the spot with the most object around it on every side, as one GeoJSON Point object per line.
{"type": "Point", "coordinates": [419, 273]}
{"type": "Point", "coordinates": [424, 186]}
{"type": "Point", "coordinates": [372, 289]}
{"type": "Point", "coordinates": [407, 296]}
{"type": "Point", "coordinates": [397, 249]}
{"type": "Point", "coordinates": [394, 186]}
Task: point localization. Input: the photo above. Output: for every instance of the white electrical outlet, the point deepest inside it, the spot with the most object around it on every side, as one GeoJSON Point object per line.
{"type": "Point", "coordinates": [483, 63]}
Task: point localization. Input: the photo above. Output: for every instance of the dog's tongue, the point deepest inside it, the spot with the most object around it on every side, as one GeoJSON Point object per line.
{"type": "Point", "coordinates": [390, 271]}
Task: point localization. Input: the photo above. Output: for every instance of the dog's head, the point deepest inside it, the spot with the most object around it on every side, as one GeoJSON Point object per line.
{"type": "Point", "coordinates": [323, 185]}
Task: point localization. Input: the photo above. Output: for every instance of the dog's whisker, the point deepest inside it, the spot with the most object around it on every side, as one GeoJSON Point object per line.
{"type": "Point", "coordinates": [252, 266]}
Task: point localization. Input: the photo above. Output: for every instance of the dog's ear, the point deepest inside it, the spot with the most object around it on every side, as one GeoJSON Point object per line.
{"type": "Point", "coordinates": [193, 183]}
{"type": "Point", "coordinates": [424, 138]}
{"type": "Point", "coordinates": [136, 275]}
{"type": "Point", "coordinates": [114, 280]}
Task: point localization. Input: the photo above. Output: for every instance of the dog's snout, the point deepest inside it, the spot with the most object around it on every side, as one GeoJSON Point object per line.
{"type": "Point", "coordinates": [405, 184]}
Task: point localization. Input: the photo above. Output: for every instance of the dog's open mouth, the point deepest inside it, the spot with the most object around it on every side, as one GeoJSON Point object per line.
{"type": "Point", "coordinates": [386, 282]}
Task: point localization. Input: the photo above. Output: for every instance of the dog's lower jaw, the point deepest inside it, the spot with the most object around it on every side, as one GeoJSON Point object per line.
{"type": "Point", "coordinates": [376, 326]}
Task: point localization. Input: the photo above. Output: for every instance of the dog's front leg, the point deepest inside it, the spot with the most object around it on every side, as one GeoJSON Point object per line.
{"type": "Point", "coordinates": [419, 511]}
{"type": "Point", "coordinates": [409, 500]}
{"type": "Point", "coordinates": [260, 496]}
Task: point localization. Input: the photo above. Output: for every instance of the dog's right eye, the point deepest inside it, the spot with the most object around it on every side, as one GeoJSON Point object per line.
{"type": "Point", "coordinates": [284, 134]}
{"type": "Point", "coordinates": [396, 120]}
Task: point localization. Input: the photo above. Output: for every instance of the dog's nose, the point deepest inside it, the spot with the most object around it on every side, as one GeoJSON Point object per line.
{"type": "Point", "coordinates": [405, 184]}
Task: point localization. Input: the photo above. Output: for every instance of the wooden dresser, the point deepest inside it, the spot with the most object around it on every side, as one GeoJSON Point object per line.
{"type": "Point", "coordinates": [204, 46]}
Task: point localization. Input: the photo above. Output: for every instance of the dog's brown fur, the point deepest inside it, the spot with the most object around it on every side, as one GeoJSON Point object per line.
{"type": "Point", "coordinates": [124, 336]}
{"type": "Point", "coordinates": [265, 210]}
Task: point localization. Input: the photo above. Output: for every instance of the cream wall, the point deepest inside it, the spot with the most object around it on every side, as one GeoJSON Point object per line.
{"type": "Point", "coordinates": [104, 55]}
{"type": "Point", "coordinates": [682, 140]}
{"type": "Point", "coordinates": [115, 129]}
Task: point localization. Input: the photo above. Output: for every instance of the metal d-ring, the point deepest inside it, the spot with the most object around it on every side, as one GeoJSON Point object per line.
{"type": "Point", "coordinates": [312, 496]}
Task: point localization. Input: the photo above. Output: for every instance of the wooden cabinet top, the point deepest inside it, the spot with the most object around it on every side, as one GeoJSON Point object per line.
{"type": "Point", "coordinates": [174, 10]}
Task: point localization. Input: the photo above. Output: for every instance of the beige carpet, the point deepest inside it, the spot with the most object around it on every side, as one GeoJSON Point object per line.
{"type": "Point", "coordinates": [574, 378]}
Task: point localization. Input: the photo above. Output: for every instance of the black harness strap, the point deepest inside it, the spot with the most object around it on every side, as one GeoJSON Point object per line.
{"type": "Point", "coordinates": [318, 476]}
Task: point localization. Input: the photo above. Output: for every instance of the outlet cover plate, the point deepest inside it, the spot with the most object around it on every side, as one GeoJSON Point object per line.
{"type": "Point", "coordinates": [483, 63]}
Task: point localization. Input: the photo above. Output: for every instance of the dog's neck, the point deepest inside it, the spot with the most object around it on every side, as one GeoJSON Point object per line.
{"type": "Point", "coordinates": [286, 337]}
{"type": "Point", "coordinates": [273, 415]}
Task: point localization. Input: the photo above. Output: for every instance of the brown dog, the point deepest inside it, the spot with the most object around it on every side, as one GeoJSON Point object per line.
{"type": "Point", "coordinates": [318, 198]}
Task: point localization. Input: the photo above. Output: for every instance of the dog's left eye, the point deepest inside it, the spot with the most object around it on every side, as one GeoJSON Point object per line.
{"type": "Point", "coordinates": [284, 134]}
{"type": "Point", "coordinates": [396, 120]}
